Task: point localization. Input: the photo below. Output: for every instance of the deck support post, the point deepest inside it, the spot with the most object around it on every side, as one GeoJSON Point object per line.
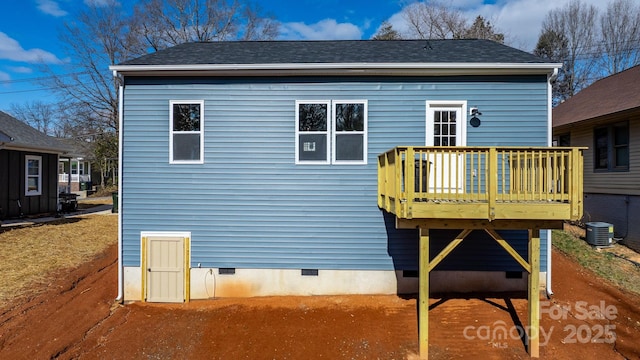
{"type": "Point", "coordinates": [534, 293]}
{"type": "Point", "coordinates": [423, 296]}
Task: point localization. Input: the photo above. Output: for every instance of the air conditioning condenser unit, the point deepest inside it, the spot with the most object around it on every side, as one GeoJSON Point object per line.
{"type": "Point", "coordinates": [599, 233]}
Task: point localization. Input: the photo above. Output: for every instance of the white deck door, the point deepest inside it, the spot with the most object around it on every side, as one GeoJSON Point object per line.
{"type": "Point", "coordinates": [446, 127]}
{"type": "Point", "coordinates": [165, 277]}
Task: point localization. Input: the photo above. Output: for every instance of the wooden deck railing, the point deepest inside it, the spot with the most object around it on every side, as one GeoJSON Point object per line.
{"type": "Point", "coordinates": [481, 182]}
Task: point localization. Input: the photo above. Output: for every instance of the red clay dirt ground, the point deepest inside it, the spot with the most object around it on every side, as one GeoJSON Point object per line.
{"type": "Point", "coordinates": [75, 317]}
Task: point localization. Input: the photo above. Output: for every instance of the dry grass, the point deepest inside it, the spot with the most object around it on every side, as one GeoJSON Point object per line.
{"type": "Point", "coordinates": [606, 264]}
{"type": "Point", "coordinates": [104, 191]}
{"type": "Point", "coordinates": [32, 253]}
{"type": "Point", "coordinates": [96, 201]}
{"type": "Point", "coordinates": [90, 202]}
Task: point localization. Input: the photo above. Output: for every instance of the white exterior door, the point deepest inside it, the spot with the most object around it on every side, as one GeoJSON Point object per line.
{"type": "Point", "coordinates": [446, 127]}
{"type": "Point", "coordinates": [165, 268]}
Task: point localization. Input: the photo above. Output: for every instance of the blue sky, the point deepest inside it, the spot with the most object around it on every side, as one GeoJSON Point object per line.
{"type": "Point", "coordinates": [29, 30]}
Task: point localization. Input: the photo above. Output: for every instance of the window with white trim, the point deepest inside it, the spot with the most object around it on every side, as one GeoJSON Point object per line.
{"type": "Point", "coordinates": [186, 138]}
{"type": "Point", "coordinates": [312, 132]}
{"type": "Point", "coordinates": [33, 175]}
{"type": "Point", "coordinates": [349, 137]}
{"type": "Point", "coordinates": [446, 123]}
{"type": "Point", "coordinates": [331, 132]}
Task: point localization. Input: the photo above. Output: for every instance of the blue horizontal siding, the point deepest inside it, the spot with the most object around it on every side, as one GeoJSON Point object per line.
{"type": "Point", "coordinates": [250, 206]}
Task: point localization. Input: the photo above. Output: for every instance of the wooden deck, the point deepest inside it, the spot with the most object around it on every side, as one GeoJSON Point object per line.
{"type": "Point", "coordinates": [481, 188]}
{"type": "Point", "coordinates": [481, 183]}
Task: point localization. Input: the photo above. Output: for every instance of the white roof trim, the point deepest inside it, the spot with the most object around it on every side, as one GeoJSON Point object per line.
{"type": "Point", "coordinates": [340, 68]}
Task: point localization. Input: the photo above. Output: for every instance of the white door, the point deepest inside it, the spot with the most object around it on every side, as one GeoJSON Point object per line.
{"type": "Point", "coordinates": [165, 269]}
{"type": "Point", "coordinates": [445, 127]}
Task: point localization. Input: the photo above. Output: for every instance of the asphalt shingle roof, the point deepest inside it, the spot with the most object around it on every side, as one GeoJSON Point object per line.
{"type": "Point", "coordinates": [15, 133]}
{"type": "Point", "coordinates": [341, 51]}
{"type": "Point", "coordinates": [615, 93]}
{"type": "Point", "coordinates": [77, 148]}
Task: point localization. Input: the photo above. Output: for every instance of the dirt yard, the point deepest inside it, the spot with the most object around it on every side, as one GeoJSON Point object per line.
{"type": "Point", "coordinates": [75, 317]}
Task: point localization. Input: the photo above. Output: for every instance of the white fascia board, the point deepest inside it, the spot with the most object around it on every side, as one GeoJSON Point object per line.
{"type": "Point", "coordinates": [339, 69]}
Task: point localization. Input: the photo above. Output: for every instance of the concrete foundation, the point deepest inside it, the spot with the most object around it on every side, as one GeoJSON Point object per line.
{"type": "Point", "coordinates": [208, 283]}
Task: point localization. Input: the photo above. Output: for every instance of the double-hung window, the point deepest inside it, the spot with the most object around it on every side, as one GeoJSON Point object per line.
{"type": "Point", "coordinates": [186, 138]}
{"type": "Point", "coordinates": [349, 132]}
{"type": "Point", "coordinates": [312, 135]}
{"type": "Point", "coordinates": [33, 175]}
{"type": "Point", "coordinates": [611, 147]}
{"type": "Point", "coordinates": [331, 132]}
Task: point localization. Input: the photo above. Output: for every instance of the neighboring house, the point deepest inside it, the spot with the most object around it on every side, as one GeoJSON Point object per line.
{"type": "Point", "coordinates": [605, 117]}
{"type": "Point", "coordinates": [74, 169]}
{"type": "Point", "coordinates": [28, 169]}
{"type": "Point", "coordinates": [253, 168]}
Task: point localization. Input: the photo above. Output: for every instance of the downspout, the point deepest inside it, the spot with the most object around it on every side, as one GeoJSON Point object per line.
{"type": "Point", "coordinates": [551, 78]}
{"type": "Point", "coordinates": [120, 297]}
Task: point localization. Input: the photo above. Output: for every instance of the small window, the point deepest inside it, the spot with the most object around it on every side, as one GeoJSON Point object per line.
{"type": "Point", "coordinates": [444, 127]}
{"type": "Point", "coordinates": [445, 123]}
{"type": "Point", "coordinates": [349, 135]}
{"type": "Point", "coordinates": [186, 132]}
{"type": "Point", "coordinates": [611, 147]}
{"type": "Point", "coordinates": [312, 132]}
{"type": "Point", "coordinates": [33, 175]}
{"type": "Point", "coordinates": [563, 140]}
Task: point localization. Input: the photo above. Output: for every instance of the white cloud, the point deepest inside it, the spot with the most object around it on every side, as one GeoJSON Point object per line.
{"type": "Point", "coordinates": [327, 29]}
{"type": "Point", "coordinates": [10, 49]}
{"type": "Point", "coordinates": [4, 76]}
{"type": "Point", "coordinates": [21, 69]}
{"type": "Point", "coordinates": [98, 3]}
{"type": "Point", "coordinates": [520, 20]}
{"type": "Point", "coordinates": [50, 7]}
{"type": "Point", "coordinates": [398, 22]}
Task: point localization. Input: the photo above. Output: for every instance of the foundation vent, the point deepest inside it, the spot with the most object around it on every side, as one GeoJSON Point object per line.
{"type": "Point", "coordinates": [226, 271]}
{"type": "Point", "coordinates": [309, 272]}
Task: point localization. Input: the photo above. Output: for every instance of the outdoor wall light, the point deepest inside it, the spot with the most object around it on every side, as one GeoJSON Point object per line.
{"type": "Point", "coordinates": [475, 121]}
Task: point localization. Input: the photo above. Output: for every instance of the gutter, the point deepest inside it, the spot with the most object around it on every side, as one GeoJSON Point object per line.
{"type": "Point", "coordinates": [361, 69]}
{"type": "Point", "coordinates": [20, 147]}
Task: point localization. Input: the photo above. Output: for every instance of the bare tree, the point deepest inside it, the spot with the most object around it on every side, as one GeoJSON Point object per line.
{"type": "Point", "coordinates": [620, 32]}
{"type": "Point", "coordinates": [163, 23]}
{"type": "Point", "coordinates": [386, 32]}
{"type": "Point", "coordinates": [39, 115]}
{"type": "Point", "coordinates": [97, 38]}
{"type": "Point", "coordinates": [433, 20]}
{"type": "Point", "coordinates": [576, 24]}
{"type": "Point", "coordinates": [105, 155]}
{"type": "Point", "coordinates": [104, 33]}
{"type": "Point", "coordinates": [553, 47]}
{"type": "Point", "coordinates": [482, 29]}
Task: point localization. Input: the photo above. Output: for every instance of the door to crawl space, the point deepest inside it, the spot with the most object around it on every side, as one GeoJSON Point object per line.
{"type": "Point", "coordinates": [165, 268]}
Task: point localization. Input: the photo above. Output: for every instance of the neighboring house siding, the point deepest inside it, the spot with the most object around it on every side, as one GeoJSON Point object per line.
{"type": "Point", "coordinates": [612, 197]}
{"type": "Point", "coordinates": [13, 202]}
{"type": "Point", "coordinates": [250, 206]}
{"type": "Point", "coordinates": [627, 183]}
{"type": "Point", "coordinates": [618, 210]}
